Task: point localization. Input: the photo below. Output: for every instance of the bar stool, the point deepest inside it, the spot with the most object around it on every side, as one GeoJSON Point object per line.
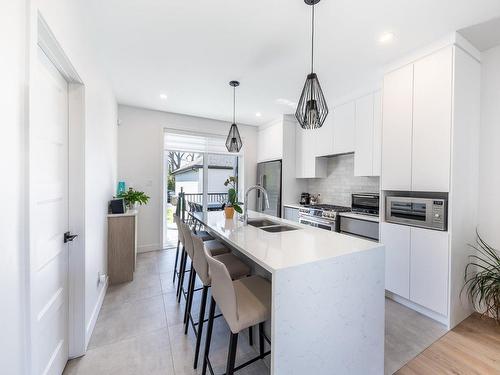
{"type": "Point", "coordinates": [213, 246]}
{"type": "Point", "coordinates": [244, 303]}
{"type": "Point", "coordinates": [236, 269]}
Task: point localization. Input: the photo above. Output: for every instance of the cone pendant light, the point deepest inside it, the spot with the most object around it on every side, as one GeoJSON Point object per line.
{"type": "Point", "coordinates": [233, 141]}
{"type": "Point", "coordinates": [312, 109]}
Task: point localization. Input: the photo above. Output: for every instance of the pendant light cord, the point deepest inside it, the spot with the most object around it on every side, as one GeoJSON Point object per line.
{"type": "Point", "coordinates": [234, 104]}
{"type": "Point", "coordinates": [312, 40]}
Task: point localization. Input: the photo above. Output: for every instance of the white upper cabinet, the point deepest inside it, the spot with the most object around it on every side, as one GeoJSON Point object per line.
{"type": "Point", "coordinates": [363, 153]}
{"type": "Point", "coordinates": [270, 142]}
{"type": "Point", "coordinates": [432, 109]}
{"type": "Point", "coordinates": [397, 129]}
{"type": "Point", "coordinates": [307, 164]}
{"type": "Point", "coordinates": [377, 133]}
{"type": "Point", "coordinates": [324, 137]}
{"type": "Point", "coordinates": [368, 136]}
{"type": "Point", "coordinates": [344, 119]}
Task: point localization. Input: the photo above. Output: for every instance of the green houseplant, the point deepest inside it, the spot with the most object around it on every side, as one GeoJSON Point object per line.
{"type": "Point", "coordinates": [134, 197]}
{"type": "Point", "coordinates": [482, 279]}
{"type": "Point", "coordinates": [232, 203]}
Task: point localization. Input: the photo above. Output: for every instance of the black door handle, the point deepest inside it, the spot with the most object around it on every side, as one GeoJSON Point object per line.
{"type": "Point", "coordinates": [68, 237]}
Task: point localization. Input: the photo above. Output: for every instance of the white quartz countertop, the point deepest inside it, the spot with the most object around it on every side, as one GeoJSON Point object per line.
{"type": "Point", "coordinates": [275, 251]}
{"type": "Point", "coordinates": [127, 213]}
{"type": "Point", "coordinates": [355, 215]}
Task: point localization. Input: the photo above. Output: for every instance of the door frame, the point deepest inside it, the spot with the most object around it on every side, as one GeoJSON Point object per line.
{"type": "Point", "coordinates": [42, 37]}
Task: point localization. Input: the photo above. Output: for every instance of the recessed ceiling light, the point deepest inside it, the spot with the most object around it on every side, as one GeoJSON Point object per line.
{"type": "Point", "coordinates": [258, 114]}
{"type": "Point", "coordinates": [163, 96]}
{"type": "Point", "coordinates": [386, 37]}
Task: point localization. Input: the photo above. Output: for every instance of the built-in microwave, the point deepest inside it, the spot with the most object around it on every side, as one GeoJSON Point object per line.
{"type": "Point", "coordinates": [424, 212]}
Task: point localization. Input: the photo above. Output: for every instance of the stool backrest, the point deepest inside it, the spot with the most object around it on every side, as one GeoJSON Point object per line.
{"type": "Point", "coordinates": [200, 263]}
{"type": "Point", "coordinates": [223, 289]}
{"type": "Point", "coordinates": [177, 222]}
{"type": "Point", "coordinates": [188, 242]}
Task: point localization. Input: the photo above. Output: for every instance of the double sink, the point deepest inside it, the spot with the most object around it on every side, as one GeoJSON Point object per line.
{"type": "Point", "coordinates": [270, 226]}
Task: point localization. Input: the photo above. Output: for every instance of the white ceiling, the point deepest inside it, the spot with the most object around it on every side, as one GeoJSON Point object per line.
{"type": "Point", "coordinates": [190, 50]}
{"type": "Point", "coordinates": [484, 35]}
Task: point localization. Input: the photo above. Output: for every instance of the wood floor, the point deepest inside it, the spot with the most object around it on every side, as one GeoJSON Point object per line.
{"type": "Point", "coordinates": [473, 347]}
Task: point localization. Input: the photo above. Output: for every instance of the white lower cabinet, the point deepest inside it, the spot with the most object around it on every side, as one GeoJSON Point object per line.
{"type": "Point", "coordinates": [396, 239]}
{"type": "Point", "coordinates": [429, 269]}
{"type": "Point", "coordinates": [416, 265]}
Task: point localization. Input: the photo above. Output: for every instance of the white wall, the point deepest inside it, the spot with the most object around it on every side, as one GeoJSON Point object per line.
{"type": "Point", "coordinates": [489, 157]}
{"type": "Point", "coordinates": [13, 106]}
{"type": "Point", "coordinates": [140, 153]}
{"type": "Point", "coordinates": [67, 21]}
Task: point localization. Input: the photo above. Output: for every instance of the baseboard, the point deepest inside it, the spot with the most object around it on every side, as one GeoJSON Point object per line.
{"type": "Point", "coordinates": [420, 309]}
{"type": "Point", "coordinates": [95, 313]}
{"type": "Point", "coordinates": [148, 248]}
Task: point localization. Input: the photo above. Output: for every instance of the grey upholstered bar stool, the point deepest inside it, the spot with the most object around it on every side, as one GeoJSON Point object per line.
{"type": "Point", "coordinates": [236, 269]}
{"type": "Point", "coordinates": [215, 247]}
{"type": "Point", "coordinates": [244, 303]}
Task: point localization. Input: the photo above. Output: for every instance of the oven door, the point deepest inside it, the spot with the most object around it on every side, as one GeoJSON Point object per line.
{"type": "Point", "coordinates": [411, 211]}
{"type": "Point", "coordinates": [365, 203]}
{"type": "Point", "coordinates": [317, 223]}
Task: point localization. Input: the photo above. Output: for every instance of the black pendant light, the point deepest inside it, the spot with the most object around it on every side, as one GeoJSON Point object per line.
{"type": "Point", "coordinates": [312, 109]}
{"type": "Point", "coordinates": [233, 141]}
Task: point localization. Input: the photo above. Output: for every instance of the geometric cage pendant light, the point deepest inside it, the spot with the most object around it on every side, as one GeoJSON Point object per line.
{"type": "Point", "coordinates": [233, 141]}
{"type": "Point", "coordinates": [312, 108]}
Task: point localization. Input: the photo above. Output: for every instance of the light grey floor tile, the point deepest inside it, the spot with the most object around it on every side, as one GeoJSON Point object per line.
{"type": "Point", "coordinates": [132, 319]}
{"type": "Point", "coordinates": [407, 333]}
{"type": "Point", "coordinates": [143, 286]}
{"type": "Point", "coordinates": [148, 354]}
{"type": "Point", "coordinates": [146, 264]}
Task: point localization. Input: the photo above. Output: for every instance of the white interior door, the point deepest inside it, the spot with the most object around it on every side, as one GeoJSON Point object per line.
{"type": "Point", "coordinates": [49, 219]}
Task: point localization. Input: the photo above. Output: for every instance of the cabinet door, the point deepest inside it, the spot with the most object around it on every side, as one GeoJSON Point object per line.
{"type": "Point", "coordinates": [299, 152]}
{"type": "Point", "coordinates": [396, 239]}
{"type": "Point", "coordinates": [270, 143]}
{"type": "Point", "coordinates": [291, 213]}
{"type": "Point", "coordinates": [397, 129]}
{"type": "Point", "coordinates": [324, 137]}
{"type": "Point", "coordinates": [363, 153]}
{"type": "Point", "coordinates": [432, 110]}
{"type": "Point", "coordinates": [343, 128]}
{"type": "Point", "coordinates": [377, 133]}
{"type": "Point", "coordinates": [429, 269]}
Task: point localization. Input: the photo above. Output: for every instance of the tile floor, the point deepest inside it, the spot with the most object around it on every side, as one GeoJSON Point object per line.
{"type": "Point", "coordinates": [140, 330]}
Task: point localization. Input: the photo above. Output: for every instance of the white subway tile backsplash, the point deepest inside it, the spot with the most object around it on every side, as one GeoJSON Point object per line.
{"type": "Point", "coordinates": [340, 182]}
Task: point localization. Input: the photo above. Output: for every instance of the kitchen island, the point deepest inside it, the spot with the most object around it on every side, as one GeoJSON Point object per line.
{"type": "Point", "coordinates": [327, 294]}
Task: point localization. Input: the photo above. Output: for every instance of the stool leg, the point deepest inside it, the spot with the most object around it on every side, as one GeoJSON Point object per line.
{"type": "Point", "coordinates": [250, 335]}
{"type": "Point", "coordinates": [189, 302]}
{"type": "Point", "coordinates": [261, 340]}
{"type": "Point", "coordinates": [182, 270]}
{"type": "Point", "coordinates": [209, 335]}
{"type": "Point", "coordinates": [201, 319]}
{"type": "Point", "coordinates": [190, 281]}
{"type": "Point", "coordinates": [231, 356]}
{"type": "Point", "coordinates": [176, 259]}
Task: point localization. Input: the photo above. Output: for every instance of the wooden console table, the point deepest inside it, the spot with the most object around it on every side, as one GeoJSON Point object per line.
{"type": "Point", "coordinates": [122, 246]}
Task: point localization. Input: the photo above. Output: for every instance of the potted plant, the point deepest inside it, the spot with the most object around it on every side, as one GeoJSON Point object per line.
{"type": "Point", "coordinates": [232, 203]}
{"type": "Point", "coordinates": [482, 279]}
{"type": "Point", "coordinates": [133, 198]}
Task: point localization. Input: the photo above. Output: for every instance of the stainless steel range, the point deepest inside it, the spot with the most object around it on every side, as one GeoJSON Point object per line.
{"type": "Point", "coordinates": [323, 216]}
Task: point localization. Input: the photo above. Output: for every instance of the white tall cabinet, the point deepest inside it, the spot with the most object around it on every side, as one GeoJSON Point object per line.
{"type": "Point", "coordinates": [431, 115]}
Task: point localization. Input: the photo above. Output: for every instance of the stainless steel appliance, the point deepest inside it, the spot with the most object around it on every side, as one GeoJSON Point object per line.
{"type": "Point", "coordinates": [323, 216]}
{"type": "Point", "coordinates": [366, 203]}
{"type": "Point", "coordinates": [424, 212]}
{"type": "Point", "coordinates": [305, 198]}
{"type": "Point", "coordinates": [269, 177]}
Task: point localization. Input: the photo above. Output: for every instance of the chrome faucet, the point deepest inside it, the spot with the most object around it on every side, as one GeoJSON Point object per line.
{"type": "Point", "coordinates": [245, 202]}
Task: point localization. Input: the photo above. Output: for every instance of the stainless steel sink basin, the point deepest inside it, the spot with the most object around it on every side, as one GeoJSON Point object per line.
{"type": "Point", "coordinates": [278, 228]}
{"type": "Point", "coordinates": [261, 223]}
